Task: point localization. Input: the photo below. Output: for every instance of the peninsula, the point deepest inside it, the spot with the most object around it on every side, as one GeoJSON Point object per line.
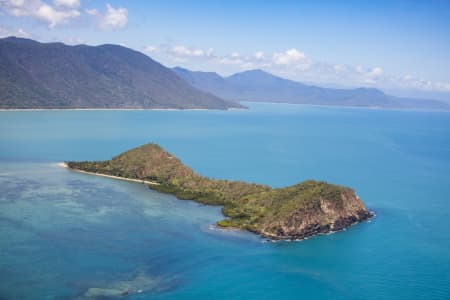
{"type": "Point", "coordinates": [294, 212]}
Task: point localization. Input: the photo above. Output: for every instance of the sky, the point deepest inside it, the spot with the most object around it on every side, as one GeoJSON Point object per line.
{"type": "Point", "coordinates": [399, 46]}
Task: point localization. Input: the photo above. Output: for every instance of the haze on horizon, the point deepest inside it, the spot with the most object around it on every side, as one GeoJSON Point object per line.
{"type": "Point", "coordinates": [401, 47]}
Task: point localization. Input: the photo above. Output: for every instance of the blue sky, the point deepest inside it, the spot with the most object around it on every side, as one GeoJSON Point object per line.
{"type": "Point", "coordinates": [394, 45]}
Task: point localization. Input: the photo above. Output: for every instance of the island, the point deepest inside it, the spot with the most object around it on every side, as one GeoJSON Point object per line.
{"type": "Point", "coordinates": [291, 213]}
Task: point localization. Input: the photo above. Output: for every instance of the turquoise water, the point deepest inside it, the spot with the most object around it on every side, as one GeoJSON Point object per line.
{"type": "Point", "coordinates": [65, 235]}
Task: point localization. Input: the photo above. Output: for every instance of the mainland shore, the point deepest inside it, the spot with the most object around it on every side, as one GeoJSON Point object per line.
{"type": "Point", "coordinates": [95, 109]}
{"type": "Point", "coordinates": [115, 109]}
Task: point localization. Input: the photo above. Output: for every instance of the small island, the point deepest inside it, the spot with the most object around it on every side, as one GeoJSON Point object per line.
{"type": "Point", "coordinates": [290, 213]}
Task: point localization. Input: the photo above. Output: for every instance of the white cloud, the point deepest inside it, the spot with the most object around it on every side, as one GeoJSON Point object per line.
{"type": "Point", "coordinates": [235, 55]}
{"type": "Point", "coordinates": [257, 60]}
{"type": "Point", "coordinates": [292, 64]}
{"type": "Point", "coordinates": [371, 76]}
{"type": "Point", "coordinates": [289, 57]}
{"type": "Point", "coordinates": [58, 13]}
{"type": "Point", "coordinates": [360, 69]}
{"type": "Point", "coordinates": [18, 8]}
{"type": "Point", "coordinates": [91, 11]}
{"type": "Point", "coordinates": [339, 68]}
{"type": "Point", "coordinates": [151, 49]}
{"type": "Point", "coordinates": [181, 51]}
{"type": "Point", "coordinates": [22, 33]}
{"type": "Point", "coordinates": [19, 32]}
{"type": "Point", "coordinates": [375, 72]}
{"type": "Point", "coordinates": [66, 3]}
{"type": "Point", "coordinates": [230, 60]}
{"type": "Point", "coordinates": [407, 77]}
{"type": "Point", "coordinates": [410, 82]}
{"type": "Point", "coordinates": [74, 41]}
{"type": "Point", "coordinates": [210, 52]}
{"type": "Point", "coordinates": [442, 86]}
{"type": "Point", "coordinates": [259, 55]}
{"type": "Point", "coordinates": [53, 16]}
{"type": "Point", "coordinates": [113, 18]}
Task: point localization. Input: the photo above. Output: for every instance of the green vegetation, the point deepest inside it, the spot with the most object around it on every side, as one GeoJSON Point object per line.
{"type": "Point", "coordinates": [54, 75]}
{"type": "Point", "coordinates": [254, 207]}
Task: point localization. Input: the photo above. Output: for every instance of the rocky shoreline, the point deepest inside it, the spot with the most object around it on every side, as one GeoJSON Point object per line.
{"type": "Point", "coordinates": [318, 229]}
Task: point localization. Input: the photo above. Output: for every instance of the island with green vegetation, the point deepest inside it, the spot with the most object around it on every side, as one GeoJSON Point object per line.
{"type": "Point", "coordinates": [294, 212]}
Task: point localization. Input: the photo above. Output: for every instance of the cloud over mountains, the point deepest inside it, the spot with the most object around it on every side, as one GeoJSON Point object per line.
{"type": "Point", "coordinates": [59, 12]}
{"type": "Point", "coordinates": [294, 64]}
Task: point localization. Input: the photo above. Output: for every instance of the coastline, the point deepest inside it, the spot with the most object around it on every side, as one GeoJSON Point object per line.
{"type": "Point", "coordinates": [373, 108]}
{"type": "Point", "coordinates": [119, 109]}
{"type": "Point", "coordinates": [64, 165]}
{"type": "Point", "coordinates": [330, 232]}
{"type": "Point", "coordinates": [96, 109]}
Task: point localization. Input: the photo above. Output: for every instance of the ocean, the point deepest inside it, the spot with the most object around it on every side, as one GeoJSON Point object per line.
{"type": "Point", "coordinates": [67, 235]}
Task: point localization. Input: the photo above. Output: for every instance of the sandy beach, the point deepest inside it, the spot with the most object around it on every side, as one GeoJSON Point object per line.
{"type": "Point", "coordinates": [64, 165]}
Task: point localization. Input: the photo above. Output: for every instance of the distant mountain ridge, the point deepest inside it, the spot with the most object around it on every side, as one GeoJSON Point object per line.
{"type": "Point", "coordinates": [260, 86]}
{"type": "Point", "coordinates": [55, 75]}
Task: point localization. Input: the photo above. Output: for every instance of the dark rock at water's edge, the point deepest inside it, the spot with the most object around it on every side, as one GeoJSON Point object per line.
{"type": "Point", "coordinates": [291, 213]}
{"type": "Point", "coordinates": [318, 229]}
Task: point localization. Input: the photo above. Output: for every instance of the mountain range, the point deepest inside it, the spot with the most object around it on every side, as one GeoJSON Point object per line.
{"type": "Point", "coordinates": [54, 75]}
{"type": "Point", "coordinates": [260, 86]}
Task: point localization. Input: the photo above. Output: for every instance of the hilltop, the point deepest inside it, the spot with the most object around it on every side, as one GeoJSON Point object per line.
{"type": "Point", "coordinates": [294, 212]}
{"type": "Point", "coordinates": [55, 75]}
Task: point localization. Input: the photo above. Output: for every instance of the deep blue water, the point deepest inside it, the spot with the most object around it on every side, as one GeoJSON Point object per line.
{"type": "Point", "coordinates": [65, 235]}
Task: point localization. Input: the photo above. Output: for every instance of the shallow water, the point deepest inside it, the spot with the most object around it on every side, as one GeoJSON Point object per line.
{"type": "Point", "coordinates": [66, 235]}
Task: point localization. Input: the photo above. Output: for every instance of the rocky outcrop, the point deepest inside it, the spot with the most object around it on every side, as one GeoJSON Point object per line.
{"type": "Point", "coordinates": [326, 218]}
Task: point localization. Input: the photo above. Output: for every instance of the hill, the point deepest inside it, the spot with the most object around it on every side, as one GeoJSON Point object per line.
{"type": "Point", "coordinates": [55, 75]}
{"type": "Point", "coordinates": [260, 86]}
{"type": "Point", "coordinates": [293, 212]}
